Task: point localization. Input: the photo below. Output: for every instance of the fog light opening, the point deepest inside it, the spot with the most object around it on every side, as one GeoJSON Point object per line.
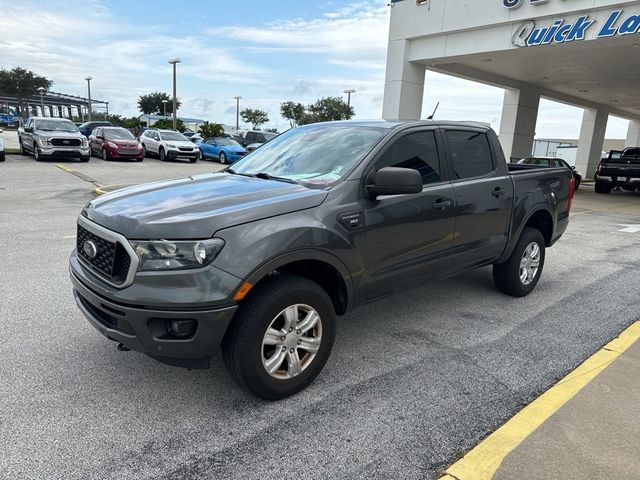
{"type": "Point", "coordinates": [182, 328]}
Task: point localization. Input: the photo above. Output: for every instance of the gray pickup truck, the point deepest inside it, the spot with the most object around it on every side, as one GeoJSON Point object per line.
{"type": "Point", "coordinates": [260, 259]}
{"type": "Point", "coordinates": [47, 137]}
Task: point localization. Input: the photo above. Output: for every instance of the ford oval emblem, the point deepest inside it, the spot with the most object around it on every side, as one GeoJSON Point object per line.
{"type": "Point", "coordinates": [66, 142]}
{"type": "Point", "coordinates": [90, 249]}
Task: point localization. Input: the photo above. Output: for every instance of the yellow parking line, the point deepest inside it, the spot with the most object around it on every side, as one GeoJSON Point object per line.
{"type": "Point", "coordinates": [483, 461]}
{"type": "Point", "coordinates": [64, 167]}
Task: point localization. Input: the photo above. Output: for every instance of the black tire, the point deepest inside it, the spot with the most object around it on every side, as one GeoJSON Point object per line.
{"type": "Point", "coordinates": [105, 155]}
{"type": "Point", "coordinates": [139, 159]}
{"type": "Point", "coordinates": [222, 158]}
{"type": "Point", "coordinates": [162, 155]}
{"type": "Point", "coordinates": [506, 276]}
{"type": "Point", "coordinates": [144, 152]}
{"type": "Point", "coordinates": [243, 349]}
{"type": "Point", "coordinates": [23, 151]}
{"type": "Point", "coordinates": [36, 153]}
{"type": "Point", "coordinates": [577, 184]}
{"type": "Point", "coordinates": [85, 159]}
{"type": "Point", "coordinates": [602, 187]}
{"type": "Point", "coordinates": [1, 156]}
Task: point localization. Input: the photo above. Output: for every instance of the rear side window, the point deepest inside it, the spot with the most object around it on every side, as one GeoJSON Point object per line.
{"type": "Point", "coordinates": [417, 151]}
{"type": "Point", "coordinates": [470, 154]}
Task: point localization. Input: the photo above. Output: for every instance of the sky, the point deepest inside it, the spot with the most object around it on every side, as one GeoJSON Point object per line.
{"type": "Point", "coordinates": [266, 52]}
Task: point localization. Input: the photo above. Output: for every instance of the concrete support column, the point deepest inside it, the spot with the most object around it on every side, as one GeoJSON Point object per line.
{"type": "Point", "coordinates": [518, 122]}
{"type": "Point", "coordinates": [591, 143]}
{"type": "Point", "coordinates": [50, 110]}
{"type": "Point", "coordinates": [70, 112]}
{"type": "Point", "coordinates": [633, 134]}
{"type": "Point", "coordinates": [404, 84]}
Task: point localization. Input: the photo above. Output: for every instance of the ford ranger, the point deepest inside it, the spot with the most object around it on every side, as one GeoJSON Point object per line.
{"type": "Point", "coordinates": [259, 260]}
{"type": "Point", "coordinates": [47, 137]}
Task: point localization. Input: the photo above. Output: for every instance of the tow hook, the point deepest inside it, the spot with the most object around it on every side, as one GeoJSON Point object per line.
{"type": "Point", "coordinates": [122, 348]}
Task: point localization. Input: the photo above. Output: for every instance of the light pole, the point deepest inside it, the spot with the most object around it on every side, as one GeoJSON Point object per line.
{"type": "Point", "coordinates": [164, 107]}
{"type": "Point", "coordinates": [106, 115]}
{"type": "Point", "coordinates": [238, 112]}
{"type": "Point", "coordinates": [174, 62]}
{"type": "Point", "coordinates": [88, 79]}
{"type": "Point", "coordinates": [349, 92]}
{"type": "Point", "coordinates": [42, 90]}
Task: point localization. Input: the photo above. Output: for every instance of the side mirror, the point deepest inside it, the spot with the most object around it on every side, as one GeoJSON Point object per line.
{"type": "Point", "coordinates": [395, 181]}
{"type": "Point", "coordinates": [28, 129]}
{"type": "Point", "coordinates": [100, 137]}
{"type": "Point", "coordinates": [573, 167]}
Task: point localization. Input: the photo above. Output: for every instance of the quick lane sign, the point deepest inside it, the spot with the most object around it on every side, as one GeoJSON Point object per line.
{"type": "Point", "coordinates": [528, 35]}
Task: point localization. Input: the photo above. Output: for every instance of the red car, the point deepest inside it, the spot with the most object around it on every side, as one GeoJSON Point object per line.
{"type": "Point", "coordinates": [115, 143]}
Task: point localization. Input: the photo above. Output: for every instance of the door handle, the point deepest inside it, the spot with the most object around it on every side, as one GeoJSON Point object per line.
{"type": "Point", "coordinates": [497, 192]}
{"type": "Point", "coordinates": [441, 205]}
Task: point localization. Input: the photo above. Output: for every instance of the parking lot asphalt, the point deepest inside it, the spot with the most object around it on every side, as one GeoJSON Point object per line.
{"type": "Point", "coordinates": [413, 382]}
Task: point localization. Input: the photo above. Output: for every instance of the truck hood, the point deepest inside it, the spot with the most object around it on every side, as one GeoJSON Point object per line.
{"type": "Point", "coordinates": [196, 207]}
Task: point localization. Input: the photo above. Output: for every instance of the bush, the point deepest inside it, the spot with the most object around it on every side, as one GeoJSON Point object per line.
{"type": "Point", "coordinates": [208, 130]}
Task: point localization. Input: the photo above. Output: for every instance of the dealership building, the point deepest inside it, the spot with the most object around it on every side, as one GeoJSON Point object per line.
{"type": "Point", "coordinates": [584, 53]}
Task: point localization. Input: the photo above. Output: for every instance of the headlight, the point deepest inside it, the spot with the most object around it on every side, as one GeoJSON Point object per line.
{"type": "Point", "coordinates": [112, 145]}
{"type": "Point", "coordinates": [85, 142]}
{"type": "Point", "coordinates": [168, 255]}
{"type": "Point", "coordinates": [44, 142]}
{"type": "Point", "coordinates": [171, 145]}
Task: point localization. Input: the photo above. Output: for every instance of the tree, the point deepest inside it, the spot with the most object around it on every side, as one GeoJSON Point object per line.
{"type": "Point", "coordinates": [167, 124]}
{"type": "Point", "coordinates": [328, 109]}
{"type": "Point", "coordinates": [130, 123]}
{"type": "Point", "coordinates": [255, 117]}
{"type": "Point", "coordinates": [292, 111]}
{"type": "Point", "coordinates": [151, 104]}
{"type": "Point", "coordinates": [22, 84]}
{"type": "Point", "coordinates": [208, 130]}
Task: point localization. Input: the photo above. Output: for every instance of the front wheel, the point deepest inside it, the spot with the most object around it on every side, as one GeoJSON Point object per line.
{"type": "Point", "coordinates": [281, 337]}
{"type": "Point", "coordinates": [223, 158]}
{"type": "Point", "coordinates": [23, 151]}
{"type": "Point", "coordinates": [519, 275]}
{"type": "Point", "coordinates": [36, 153]}
{"type": "Point", "coordinates": [105, 155]}
{"type": "Point", "coordinates": [162, 155]}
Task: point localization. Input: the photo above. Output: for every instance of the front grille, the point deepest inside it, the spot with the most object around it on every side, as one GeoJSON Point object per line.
{"type": "Point", "coordinates": [111, 260]}
{"type": "Point", "coordinates": [186, 149]}
{"type": "Point", "coordinates": [66, 142]}
{"type": "Point", "coordinates": [127, 151]}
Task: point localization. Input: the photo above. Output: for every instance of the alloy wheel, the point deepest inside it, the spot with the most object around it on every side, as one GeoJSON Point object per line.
{"type": "Point", "coordinates": [291, 341]}
{"type": "Point", "coordinates": [530, 263]}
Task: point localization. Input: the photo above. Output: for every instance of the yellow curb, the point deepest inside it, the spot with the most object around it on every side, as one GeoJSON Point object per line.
{"type": "Point", "coordinates": [483, 461]}
{"type": "Point", "coordinates": [65, 168]}
{"type": "Point", "coordinates": [108, 189]}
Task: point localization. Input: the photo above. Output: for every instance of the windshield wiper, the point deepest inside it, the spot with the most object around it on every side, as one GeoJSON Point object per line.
{"type": "Point", "coordinates": [262, 175]}
{"type": "Point", "coordinates": [266, 176]}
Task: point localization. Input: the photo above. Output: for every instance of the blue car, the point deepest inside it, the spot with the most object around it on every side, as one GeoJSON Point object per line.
{"type": "Point", "coordinates": [223, 149]}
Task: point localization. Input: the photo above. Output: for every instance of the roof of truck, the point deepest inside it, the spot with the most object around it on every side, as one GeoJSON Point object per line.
{"type": "Point", "coordinates": [391, 124]}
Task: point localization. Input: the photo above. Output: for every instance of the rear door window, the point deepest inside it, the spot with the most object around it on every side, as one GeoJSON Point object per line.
{"type": "Point", "coordinates": [470, 154]}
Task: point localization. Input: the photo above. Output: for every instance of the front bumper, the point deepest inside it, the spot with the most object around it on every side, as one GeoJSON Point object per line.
{"type": "Point", "coordinates": [114, 153]}
{"type": "Point", "coordinates": [634, 181]}
{"type": "Point", "coordinates": [145, 330]}
{"type": "Point", "coordinates": [174, 153]}
{"type": "Point", "coordinates": [76, 152]}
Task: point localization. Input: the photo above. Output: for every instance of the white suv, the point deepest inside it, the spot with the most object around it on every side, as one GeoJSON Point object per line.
{"type": "Point", "coordinates": [168, 145]}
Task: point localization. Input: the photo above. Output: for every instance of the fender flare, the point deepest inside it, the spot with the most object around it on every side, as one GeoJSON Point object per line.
{"type": "Point", "coordinates": [305, 254]}
{"type": "Point", "coordinates": [540, 207]}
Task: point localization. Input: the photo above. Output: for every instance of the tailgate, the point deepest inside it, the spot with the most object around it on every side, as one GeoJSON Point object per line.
{"type": "Point", "coordinates": [620, 169]}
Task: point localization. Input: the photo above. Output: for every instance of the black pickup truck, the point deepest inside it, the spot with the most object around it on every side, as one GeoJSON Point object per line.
{"type": "Point", "coordinates": [260, 259]}
{"type": "Point", "coordinates": [619, 169]}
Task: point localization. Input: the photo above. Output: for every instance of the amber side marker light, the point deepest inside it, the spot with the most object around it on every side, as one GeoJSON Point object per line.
{"type": "Point", "coordinates": [242, 291]}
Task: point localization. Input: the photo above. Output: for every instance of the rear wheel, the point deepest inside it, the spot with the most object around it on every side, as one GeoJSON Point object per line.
{"type": "Point", "coordinates": [144, 151]}
{"type": "Point", "coordinates": [602, 187]}
{"type": "Point", "coordinates": [222, 158]}
{"type": "Point", "coordinates": [519, 275]}
{"type": "Point", "coordinates": [281, 337]}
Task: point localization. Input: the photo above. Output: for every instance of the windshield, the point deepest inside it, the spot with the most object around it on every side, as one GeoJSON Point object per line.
{"type": "Point", "coordinates": [226, 142]}
{"type": "Point", "coordinates": [269, 136]}
{"type": "Point", "coordinates": [173, 136]}
{"type": "Point", "coordinates": [118, 134]}
{"type": "Point", "coordinates": [313, 155]}
{"type": "Point", "coordinates": [55, 126]}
